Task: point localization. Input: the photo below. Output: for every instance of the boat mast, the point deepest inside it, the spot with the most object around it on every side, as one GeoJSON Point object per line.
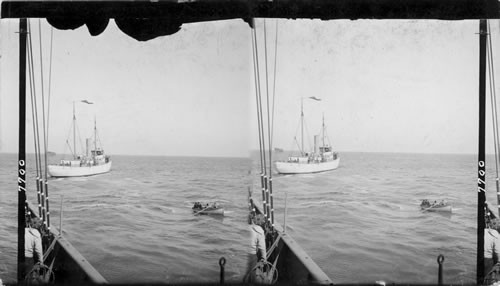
{"type": "Point", "coordinates": [302, 125]}
{"type": "Point", "coordinates": [74, 132]}
{"type": "Point", "coordinates": [21, 181]}
{"type": "Point", "coordinates": [95, 136]}
{"type": "Point", "coordinates": [481, 182]}
{"type": "Point", "coordinates": [323, 129]}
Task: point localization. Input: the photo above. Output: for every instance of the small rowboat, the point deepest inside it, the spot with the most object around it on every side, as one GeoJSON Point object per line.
{"type": "Point", "coordinates": [435, 207]}
{"type": "Point", "coordinates": [207, 209]}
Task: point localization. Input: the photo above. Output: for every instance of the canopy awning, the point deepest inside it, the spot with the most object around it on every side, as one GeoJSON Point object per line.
{"type": "Point", "coordinates": [144, 20]}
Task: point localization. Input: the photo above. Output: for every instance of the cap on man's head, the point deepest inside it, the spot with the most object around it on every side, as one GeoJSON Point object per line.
{"type": "Point", "coordinates": [35, 222]}
{"type": "Point", "coordinates": [259, 219]}
{"type": "Point", "coordinates": [494, 223]}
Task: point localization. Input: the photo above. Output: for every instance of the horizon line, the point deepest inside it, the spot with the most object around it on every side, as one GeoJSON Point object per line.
{"type": "Point", "coordinates": [256, 150]}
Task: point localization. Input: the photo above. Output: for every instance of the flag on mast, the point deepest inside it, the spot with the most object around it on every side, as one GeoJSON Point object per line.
{"type": "Point", "coordinates": [87, 102]}
{"type": "Point", "coordinates": [315, 98]}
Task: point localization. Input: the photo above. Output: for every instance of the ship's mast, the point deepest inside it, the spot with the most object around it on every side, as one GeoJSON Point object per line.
{"type": "Point", "coordinates": [74, 132]}
{"type": "Point", "coordinates": [302, 125]}
{"type": "Point", "coordinates": [21, 181]}
{"type": "Point", "coordinates": [481, 181]}
{"type": "Point", "coordinates": [323, 130]}
{"type": "Point", "coordinates": [95, 136]}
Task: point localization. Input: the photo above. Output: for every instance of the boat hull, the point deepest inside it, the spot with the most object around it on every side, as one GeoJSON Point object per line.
{"type": "Point", "coordinates": [70, 267]}
{"type": "Point", "coordinates": [219, 211]}
{"type": "Point", "coordinates": [438, 209]}
{"type": "Point", "coordinates": [294, 265]}
{"type": "Point", "coordinates": [304, 167]}
{"type": "Point", "coordinates": [77, 171]}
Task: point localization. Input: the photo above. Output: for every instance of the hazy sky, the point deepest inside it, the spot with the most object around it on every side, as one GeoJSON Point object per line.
{"type": "Point", "coordinates": [386, 86]}
{"type": "Point", "coordinates": [186, 94]}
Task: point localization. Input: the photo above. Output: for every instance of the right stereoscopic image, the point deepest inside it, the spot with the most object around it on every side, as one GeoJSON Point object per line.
{"type": "Point", "coordinates": [368, 162]}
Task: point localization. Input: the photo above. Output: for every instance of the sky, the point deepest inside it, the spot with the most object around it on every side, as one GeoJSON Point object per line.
{"type": "Point", "coordinates": [182, 95]}
{"type": "Point", "coordinates": [385, 86]}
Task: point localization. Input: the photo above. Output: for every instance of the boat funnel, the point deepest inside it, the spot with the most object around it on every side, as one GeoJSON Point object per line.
{"type": "Point", "coordinates": [87, 146]}
{"type": "Point", "coordinates": [316, 144]}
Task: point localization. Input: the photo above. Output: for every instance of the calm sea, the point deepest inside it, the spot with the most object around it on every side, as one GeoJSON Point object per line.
{"type": "Point", "coordinates": [359, 223]}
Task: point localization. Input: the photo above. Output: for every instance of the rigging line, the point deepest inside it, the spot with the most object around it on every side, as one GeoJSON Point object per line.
{"type": "Point", "coordinates": [98, 139]}
{"type": "Point", "coordinates": [307, 135]}
{"type": "Point", "coordinates": [270, 191]}
{"type": "Point", "coordinates": [267, 96]}
{"type": "Point", "coordinates": [297, 143]}
{"type": "Point", "coordinates": [69, 146]}
{"type": "Point", "coordinates": [295, 138]}
{"type": "Point", "coordinates": [494, 90]}
{"type": "Point", "coordinates": [257, 101]}
{"type": "Point", "coordinates": [36, 132]}
{"type": "Point", "coordinates": [494, 110]}
{"type": "Point", "coordinates": [260, 102]}
{"type": "Point", "coordinates": [492, 95]}
{"type": "Point", "coordinates": [494, 113]}
{"type": "Point", "coordinates": [43, 126]}
{"type": "Point", "coordinates": [50, 81]}
{"type": "Point", "coordinates": [265, 186]}
{"type": "Point", "coordinates": [67, 141]}
{"type": "Point", "coordinates": [328, 139]}
{"type": "Point", "coordinates": [274, 80]}
{"type": "Point", "coordinates": [82, 151]}
{"type": "Point", "coordinates": [257, 90]}
{"type": "Point", "coordinates": [43, 93]}
{"type": "Point", "coordinates": [34, 127]}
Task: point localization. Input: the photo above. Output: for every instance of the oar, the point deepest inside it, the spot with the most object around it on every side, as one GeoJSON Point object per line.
{"type": "Point", "coordinates": [427, 209]}
{"type": "Point", "coordinates": [202, 210]}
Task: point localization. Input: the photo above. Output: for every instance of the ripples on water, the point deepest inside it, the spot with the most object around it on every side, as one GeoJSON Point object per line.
{"type": "Point", "coordinates": [362, 223]}
{"type": "Point", "coordinates": [135, 224]}
{"type": "Point", "coordinates": [359, 223]}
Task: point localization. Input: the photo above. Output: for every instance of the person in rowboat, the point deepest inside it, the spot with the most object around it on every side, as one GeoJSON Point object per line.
{"type": "Point", "coordinates": [257, 250]}
{"type": "Point", "coordinates": [491, 245]}
{"type": "Point", "coordinates": [33, 251]}
{"type": "Point", "coordinates": [425, 204]}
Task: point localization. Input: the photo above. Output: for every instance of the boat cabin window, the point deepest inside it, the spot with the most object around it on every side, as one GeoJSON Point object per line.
{"type": "Point", "coordinates": [97, 152]}
{"type": "Point", "coordinates": [325, 149]}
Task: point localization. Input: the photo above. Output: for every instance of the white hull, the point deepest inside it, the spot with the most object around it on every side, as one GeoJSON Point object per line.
{"type": "Point", "coordinates": [219, 211]}
{"type": "Point", "coordinates": [77, 171]}
{"type": "Point", "coordinates": [304, 167]}
{"type": "Point", "coordinates": [438, 209]}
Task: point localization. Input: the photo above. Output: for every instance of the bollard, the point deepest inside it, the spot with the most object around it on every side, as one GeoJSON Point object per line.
{"type": "Point", "coordinates": [222, 262]}
{"type": "Point", "coordinates": [440, 261]}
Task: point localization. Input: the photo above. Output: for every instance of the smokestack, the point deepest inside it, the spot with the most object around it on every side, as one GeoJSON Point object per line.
{"type": "Point", "coordinates": [316, 144]}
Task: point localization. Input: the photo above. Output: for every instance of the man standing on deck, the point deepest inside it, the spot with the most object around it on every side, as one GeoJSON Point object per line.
{"type": "Point", "coordinates": [32, 244]}
{"type": "Point", "coordinates": [491, 245]}
{"type": "Point", "coordinates": [257, 250]}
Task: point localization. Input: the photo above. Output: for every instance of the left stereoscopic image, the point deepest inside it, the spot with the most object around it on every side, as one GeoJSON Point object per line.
{"type": "Point", "coordinates": [131, 152]}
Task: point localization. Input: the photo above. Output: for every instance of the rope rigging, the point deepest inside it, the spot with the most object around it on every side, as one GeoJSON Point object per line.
{"type": "Point", "coordinates": [36, 133]}
{"type": "Point", "coordinates": [40, 273]}
{"type": "Point", "coordinates": [269, 192]}
{"type": "Point", "coordinates": [494, 113]}
{"type": "Point", "coordinates": [259, 112]}
{"type": "Point", "coordinates": [44, 126]}
{"type": "Point", "coordinates": [265, 182]}
{"type": "Point", "coordinates": [265, 271]}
